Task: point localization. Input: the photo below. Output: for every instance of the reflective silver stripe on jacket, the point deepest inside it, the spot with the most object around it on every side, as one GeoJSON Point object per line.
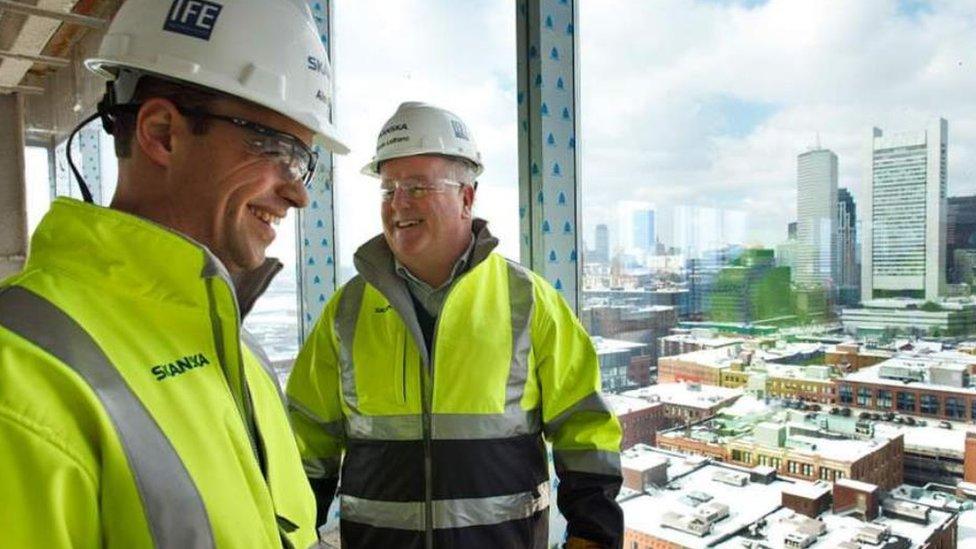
{"type": "Point", "coordinates": [447, 513]}
{"type": "Point", "coordinates": [347, 314]}
{"type": "Point", "coordinates": [601, 462]}
{"type": "Point", "coordinates": [318, 467]}
{"type": "Point", "coordinates": [520, 298]}
{"type": "Point", "coordinates": [445, 426]}
{"type": "Point", "coordinates": [174, 509]}
{"type": "Point", "coordinates": [592, 403]}
{"type": "Point", "coordinates": [513, 422]}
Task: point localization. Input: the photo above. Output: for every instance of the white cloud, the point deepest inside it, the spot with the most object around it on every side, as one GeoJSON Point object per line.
{"type": "Point", "coordinates": [457, 56]}
{"type": "Point", "coordinates": [835, 67]}
{"type": "Point", "coordinates": [683, 102]}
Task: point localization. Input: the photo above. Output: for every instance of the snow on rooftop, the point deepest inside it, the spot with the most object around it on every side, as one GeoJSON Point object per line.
{"type": "Point", "coordinates": [643, 456]}
{"type": "Point", "coordinates": [606, 346]}
{"type": "Point", "coordinates": [967, 528]}
{"type": "Point", "coordinates": [946, 441]}
{"type": "Point", "coordinates": [706, 340]}
{"type": "Point", "coordinates": [856, 484]}
{"type": "Point", "coordinates": [835, 529]}
{"type": "Point", "coordinates": [809, 490]}
{"type": "Point", "coordinates": [645, 513]}
{"type": "Point", "coordinates": [686, 394]}
{"type": "Point", "coordinates": [622, 404]}
{"type": "Point", "coordinates": [640, 459]}
{"type": "Point", "coordinates": [747, 405]}
{"type": "Point", "coordinates": [845, 450]}
{"type": "Point", "coordinates": [872, 374]}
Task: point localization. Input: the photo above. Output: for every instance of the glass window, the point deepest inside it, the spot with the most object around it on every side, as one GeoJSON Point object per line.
{"type": "Point", "coordinates": [863, 396]}
{"type": "Point", "coordinates": [738, 199]}
{"type": "Point", "coordinates": [883, 398]}
{"type": "Point", "coordinates": [274, 318]}
{"type": "Point", "coordinates": [929, 404]}
{"type": "Point", "coordinates": [845, 394]}
{"type": "Point", "coordinates": [467, 66]}
{"type": "Point", "coordinates": [37, 181]}
{"type": "Point", "coordinates": [906, 402]}
{"type": "Point", "coordinates": [955, 407]}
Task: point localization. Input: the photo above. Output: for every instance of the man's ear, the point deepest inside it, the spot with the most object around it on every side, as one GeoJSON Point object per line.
{"type": "Point", "coordinates": [156, 122]}
{"type": "Point", "coordinates": [467, 196]}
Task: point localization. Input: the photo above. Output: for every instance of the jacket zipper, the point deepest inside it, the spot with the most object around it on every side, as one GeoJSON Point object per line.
{"type": "Point", "coordinates": [428, 390]}
{"type": "Point", "coordinates": [247, 406]}
{"type": "Point", "coordinates": [426, 386]}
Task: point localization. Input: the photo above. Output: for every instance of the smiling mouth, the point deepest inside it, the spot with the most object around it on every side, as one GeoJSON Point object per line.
{"type": "Point", "coordinates": [265, 216]}
{"type": "Point", "coordinates": [407, 224]}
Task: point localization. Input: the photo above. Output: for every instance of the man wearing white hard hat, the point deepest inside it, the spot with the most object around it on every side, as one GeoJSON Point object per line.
{"type": "Point", "coordinates": [434, 378]}
{"type": "Point", "coordinates": [134, 412]}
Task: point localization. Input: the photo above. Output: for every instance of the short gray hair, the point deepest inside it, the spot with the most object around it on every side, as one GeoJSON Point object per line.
{"type": "Point", "coordinates": [463, 171]}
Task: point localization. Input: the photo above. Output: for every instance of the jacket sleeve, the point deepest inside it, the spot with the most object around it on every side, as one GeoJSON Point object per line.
{"type": "Point", "coordinates": [49, 499]}
{"type": "Point", "coordinates": [585, 435]}
{"type": "Point", "coordinates": [315, 411]}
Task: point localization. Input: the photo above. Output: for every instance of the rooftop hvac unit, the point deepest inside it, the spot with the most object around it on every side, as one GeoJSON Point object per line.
{"type": "Point", "coordinates": [799, 540]}
{"type": "Point", "coordinates": [712, 512]}
{"type": "Point", "coordinates": [906, 510]}
{"type": "Point", "coordinates": [903, 372]}
{"type": "Point", "coordinates": [685, 523]}
{"type": "Point", "coordinates": [873, 534]}
{"type": "Point", "coordinates": [699, 496]}
{"type": "Point", "coordinates": [732, 478]}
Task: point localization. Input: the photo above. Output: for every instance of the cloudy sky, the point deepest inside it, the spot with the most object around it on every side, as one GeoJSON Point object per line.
{"type": "Point", "coordinates": [684, 102]}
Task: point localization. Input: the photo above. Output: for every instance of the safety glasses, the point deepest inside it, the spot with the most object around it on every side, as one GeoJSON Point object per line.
{"type": "Point", "coordinates": [296, 160]}
{"type": "Point", "coordinates": [415, 189]}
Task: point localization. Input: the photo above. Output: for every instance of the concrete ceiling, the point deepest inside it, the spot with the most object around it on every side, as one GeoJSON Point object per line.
{"type": "Point", "coordinates": [36, 34]}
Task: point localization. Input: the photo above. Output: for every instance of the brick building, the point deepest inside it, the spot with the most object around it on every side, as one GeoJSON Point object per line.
{"type": "Point", "coordinates": [686, 403]}
{"type": "Point", "coordinates": [796, 450]}
{"type": "Point", "coordinates": [639, 418]}
{"type": "Point", "coordinates": [851, 356]}
{"type": "Point", "coordinates": [934, 386]}
{"type": "Point", "coordinates": [706, 504]}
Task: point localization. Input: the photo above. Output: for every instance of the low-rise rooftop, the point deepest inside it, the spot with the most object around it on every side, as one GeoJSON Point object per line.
{"type": "Point", "coordinates": [622, 404]}
{"type": "Point", "coordinates": [692, 395]}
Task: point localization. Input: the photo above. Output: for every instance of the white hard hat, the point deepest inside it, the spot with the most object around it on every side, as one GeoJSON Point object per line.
{"type": "Point", "coordinates": [418, 128]}
{"type": "Point", "coordinates": [264, 51]}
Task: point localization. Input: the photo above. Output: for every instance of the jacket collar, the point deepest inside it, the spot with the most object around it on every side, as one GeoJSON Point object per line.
{"type": "Point", "coordinates": [375, 262]}
{"type": "Point", "coordinates": [130, 254]}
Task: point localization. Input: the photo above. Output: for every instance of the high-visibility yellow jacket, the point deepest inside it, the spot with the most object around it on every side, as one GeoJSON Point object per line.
{"type": "Point", "coordinates": [131, 415]}
{"type": "Point", "coordinates": [446, 447]}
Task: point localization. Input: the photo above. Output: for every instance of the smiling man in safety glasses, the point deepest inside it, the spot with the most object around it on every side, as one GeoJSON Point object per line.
{"type": "Point", "coordinates": [435, 377]}
{"type": "Point", "coordinates": [132, 412]}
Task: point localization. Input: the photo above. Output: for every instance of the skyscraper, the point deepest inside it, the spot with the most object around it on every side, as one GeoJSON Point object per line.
{"type": "Point", "coordinates": [602, 254]}
{"type": "Point", "coordinates": [643, 226]}
{"type": "Point", "coordinates": [960, 238]}
{"type": "Point", "coordinates": [848, 273]}
{"type": "Point", "coordinates": [904, 242]}
{"type": "Point", "coordinates": [816, 227]}
{"type": "Point", "coordinates": [634, 228]}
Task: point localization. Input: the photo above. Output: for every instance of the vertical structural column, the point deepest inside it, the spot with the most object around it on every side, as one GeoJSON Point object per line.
{"type": "Point", "coordinates": [316, 224]}
{"type": "Point", "coordinates": [13, 201]}
{"type": "Point", "coordinates": [548, 109]}
{"type": "Point", "coordinates": [86, 152]}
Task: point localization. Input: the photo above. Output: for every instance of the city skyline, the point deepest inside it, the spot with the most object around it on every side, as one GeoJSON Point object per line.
{"type": "Point", "coordinates": [735, 90]}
